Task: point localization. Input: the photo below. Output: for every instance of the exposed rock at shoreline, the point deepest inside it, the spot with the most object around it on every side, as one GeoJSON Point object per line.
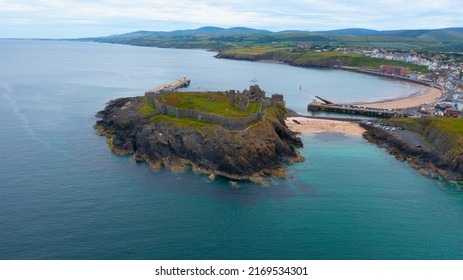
{"type": "Point", "coordinates": [433, 163]}
{"type": "Point", "coordinates": [239, 155]}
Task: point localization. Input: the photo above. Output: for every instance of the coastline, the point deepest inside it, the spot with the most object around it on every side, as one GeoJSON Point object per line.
{"type": "Point", "coordinates": [429, 96]}
{"type": "Point", "coordinates": [314, 125]}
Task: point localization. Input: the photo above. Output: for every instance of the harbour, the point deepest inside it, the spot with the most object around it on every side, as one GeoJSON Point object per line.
{"type": "Point", "coordinates": [328, 106]}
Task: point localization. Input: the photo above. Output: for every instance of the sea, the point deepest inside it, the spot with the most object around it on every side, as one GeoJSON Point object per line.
{"type": "Point", "coordinates": [64, 195]}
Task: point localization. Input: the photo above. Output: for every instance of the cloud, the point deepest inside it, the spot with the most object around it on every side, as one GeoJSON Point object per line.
{"type": "Point", "coordinates": [11, 7]}
{"type": "Point", "coordinates": [267, 14]}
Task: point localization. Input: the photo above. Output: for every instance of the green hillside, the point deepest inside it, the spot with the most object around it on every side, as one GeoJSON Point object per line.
{"type": "Point", "coordinates": [314, 59]}
{"type": "Point", "coordinates": [449, 39]}
{"type": "Point", "coordinates": [445, 133]}
{"type": "Point", "coordinates": [442, 35]}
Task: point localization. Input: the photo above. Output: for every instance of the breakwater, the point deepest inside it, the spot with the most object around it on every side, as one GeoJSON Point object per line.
{"type": "Point", "coordinates": [352, 110]}
{"type": "Point", "coordinates": [175, 85]}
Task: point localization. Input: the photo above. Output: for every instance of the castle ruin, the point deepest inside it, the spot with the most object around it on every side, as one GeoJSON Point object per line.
{"type": "Point", "coordinates": [240, 100]}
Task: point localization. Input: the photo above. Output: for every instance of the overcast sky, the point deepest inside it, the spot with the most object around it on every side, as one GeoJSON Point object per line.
{"type": "Point", "coordinates": [82, 18]}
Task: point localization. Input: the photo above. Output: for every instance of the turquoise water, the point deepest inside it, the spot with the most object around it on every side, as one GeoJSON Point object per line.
{"type": "Point", "coordinates": [63, 195]}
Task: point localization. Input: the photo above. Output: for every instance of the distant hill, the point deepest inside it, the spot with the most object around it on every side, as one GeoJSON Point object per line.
{"type": "Point", "coordinates": [454, 33]}
{"type": "Point", "coordinates": [243, 30]}
{"type": "Point", "coordinates": [217, 38]}
{"type": "Point", "coordinates": [352, 32]}
{"type": "Point", "coordinates": [207, 30]}
{"type": "Point", "coordinates": [449, 34]}
{"type": "Point", "coordinates": [445, 34]}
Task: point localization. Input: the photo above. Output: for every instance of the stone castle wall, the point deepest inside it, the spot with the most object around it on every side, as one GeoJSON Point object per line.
{"type": "Point", "coordinates": [254, 94]}
{"type": "Point", "coordinates": [228, 123]}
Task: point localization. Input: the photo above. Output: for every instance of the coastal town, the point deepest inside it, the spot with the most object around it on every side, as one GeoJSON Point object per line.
{"type": "Point", "coordinates": [444, 73]}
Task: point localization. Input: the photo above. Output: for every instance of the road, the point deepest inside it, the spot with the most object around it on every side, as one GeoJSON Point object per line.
{"type": "Point", "coordinates": [413, 139]}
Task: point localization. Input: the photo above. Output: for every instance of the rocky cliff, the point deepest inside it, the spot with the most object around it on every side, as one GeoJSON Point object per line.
{"type": "Point", "coordinates": [261, 149]}
{"type": "Point", "coordinates": [444, 159]}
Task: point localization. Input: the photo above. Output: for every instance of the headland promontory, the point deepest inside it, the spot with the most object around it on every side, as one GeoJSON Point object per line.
{"type": "Point", "coordinates": [238, 135]}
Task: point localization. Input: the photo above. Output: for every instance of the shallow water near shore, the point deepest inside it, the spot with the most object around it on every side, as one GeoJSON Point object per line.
{"type": "Point", "coordinates": [63, 195]}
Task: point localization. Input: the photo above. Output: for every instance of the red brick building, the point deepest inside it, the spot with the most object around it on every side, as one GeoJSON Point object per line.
{"type": "Point", "coordinates": [451, 113]}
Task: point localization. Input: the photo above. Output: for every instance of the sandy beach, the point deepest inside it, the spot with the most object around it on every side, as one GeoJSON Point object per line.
{"type": "Point", "coordinates": [429, 96]}
{"type": "Point", "coordinates": [310, 125]}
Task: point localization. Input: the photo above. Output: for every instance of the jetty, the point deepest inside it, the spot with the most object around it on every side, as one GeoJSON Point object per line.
{"type": "Point", "coordinates": [328, 106]}
{"type": "Point", "coordinates": [175, 85]}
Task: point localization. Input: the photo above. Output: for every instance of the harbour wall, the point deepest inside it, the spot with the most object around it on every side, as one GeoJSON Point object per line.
{"type": "Point", "coordinates": [175, 85]}
{"type": "Point", "coordinates": [352, 111]}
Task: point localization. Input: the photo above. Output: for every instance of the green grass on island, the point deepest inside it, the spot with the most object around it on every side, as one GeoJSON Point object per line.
{"type": "Point", "coordinates": [147, 109]}
{"type": "Point", "coordinates": [191, 122]}
{"type": "Point", "coordinates": [187, 121]}
{"type": "Point", "coordinates": [208, 102]}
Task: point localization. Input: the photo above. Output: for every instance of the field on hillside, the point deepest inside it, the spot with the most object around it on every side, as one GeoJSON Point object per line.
{"type": "Point", "coordinates": [312, 58]}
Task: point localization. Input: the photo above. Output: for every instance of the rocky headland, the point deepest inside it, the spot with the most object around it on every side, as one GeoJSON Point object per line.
{"type": "Point", "coordinates": [263, 147]}
{"type": "Point", "coordinates": [441, 154]}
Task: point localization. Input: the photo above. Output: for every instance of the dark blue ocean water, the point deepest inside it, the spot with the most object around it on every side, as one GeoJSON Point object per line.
{"type": "Point", "coordinates": [63, 195]}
